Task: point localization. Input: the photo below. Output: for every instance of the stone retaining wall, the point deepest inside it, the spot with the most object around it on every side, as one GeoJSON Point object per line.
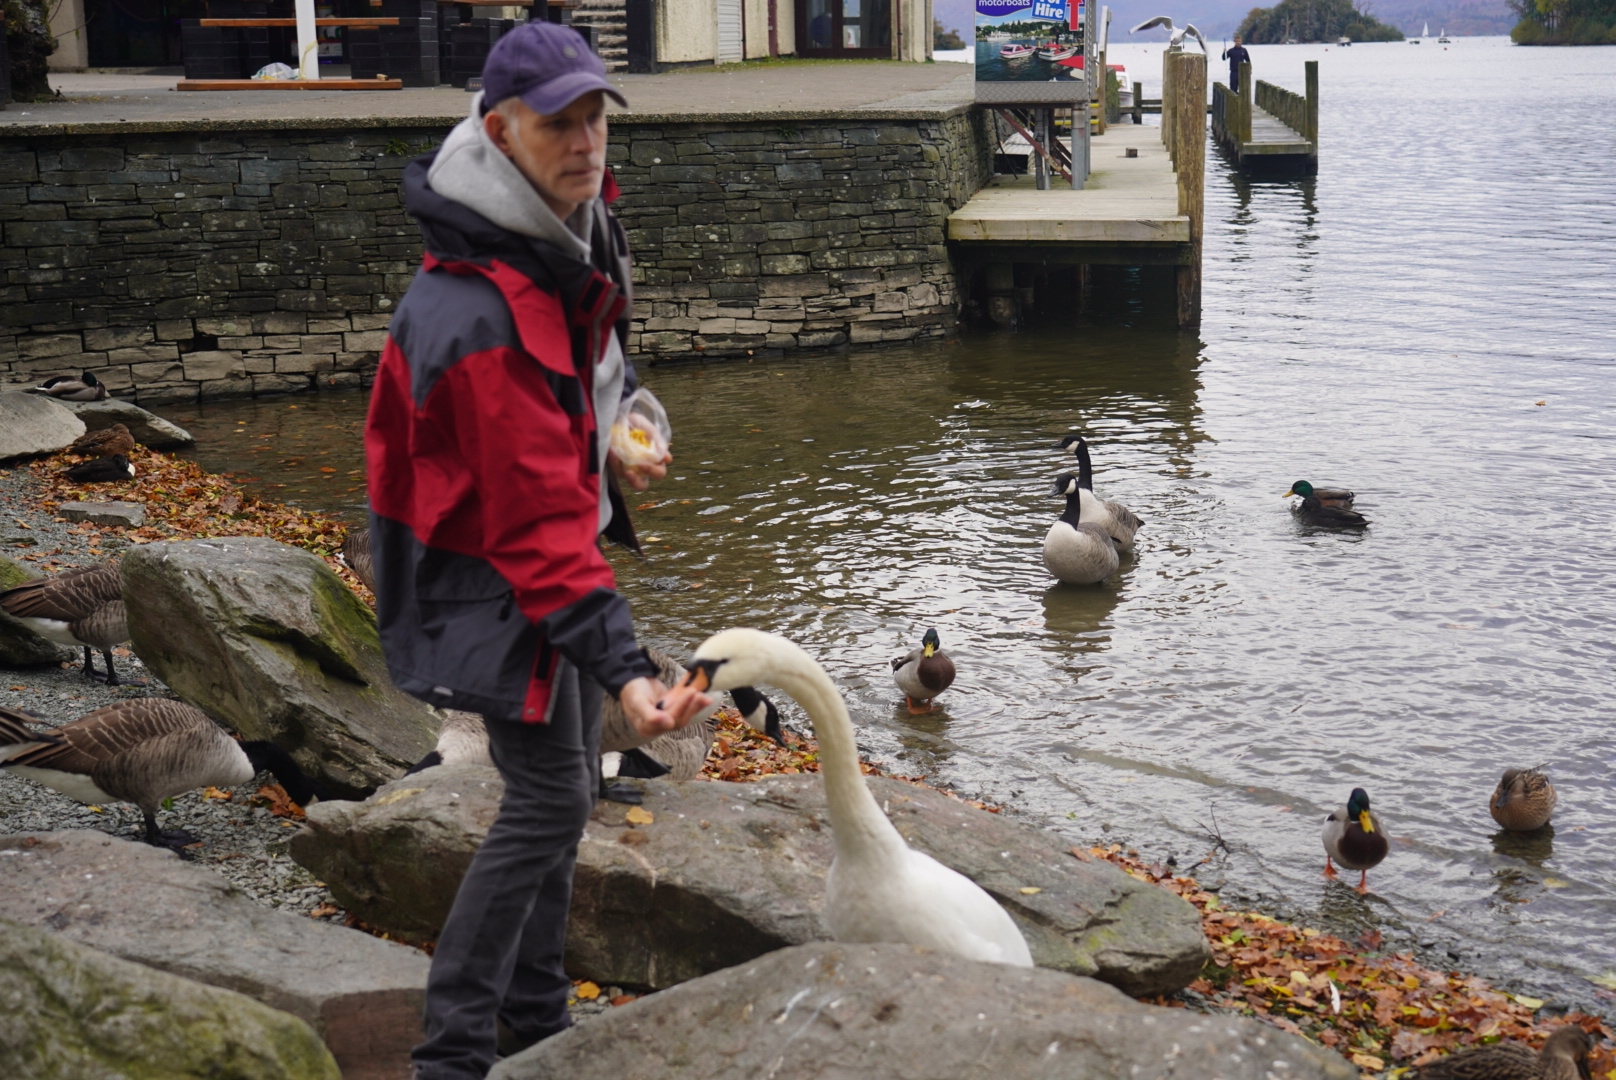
{"type": "Point", "coordinates": [200, 263]}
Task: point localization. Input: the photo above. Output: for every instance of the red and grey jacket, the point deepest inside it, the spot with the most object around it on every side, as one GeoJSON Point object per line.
{"type": "Point", "coordinates": [483, 471]}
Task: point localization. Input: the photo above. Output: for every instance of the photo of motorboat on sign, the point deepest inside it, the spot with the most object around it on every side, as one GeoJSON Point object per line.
{"type": "Point", "coordinates": [1016, 51]}
{"type": "Point", "coordinates": [1054, 51]}
{"type": "Point", "coordinates": [1029, 41]}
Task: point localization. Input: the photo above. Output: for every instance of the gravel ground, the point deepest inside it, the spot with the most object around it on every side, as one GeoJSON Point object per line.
{"type": "Point", "coordinates": [242, 841]}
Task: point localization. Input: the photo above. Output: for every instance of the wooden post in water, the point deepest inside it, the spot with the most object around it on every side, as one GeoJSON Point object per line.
{"type": "Point", "coordinates": [1139, 103]}
{"type": "Point", "coordinates": [1189, 135]}
{"type": "Point", "coordinates": [1167, 100]}
{"type": "Point", "coordinates": [1246, 91]}
{"type": "Point", "coordinates": [1312, 132]}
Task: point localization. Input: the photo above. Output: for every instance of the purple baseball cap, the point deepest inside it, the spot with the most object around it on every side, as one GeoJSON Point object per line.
{"type": "Point", "coordinates": [547, 65]}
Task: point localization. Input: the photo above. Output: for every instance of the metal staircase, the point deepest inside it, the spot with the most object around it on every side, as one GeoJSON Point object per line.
{"type": "Point", "coordinates": [610, 20]}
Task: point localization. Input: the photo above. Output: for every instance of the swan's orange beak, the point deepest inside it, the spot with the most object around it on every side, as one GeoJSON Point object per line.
{"type": "Point", "coordinates": [681, 700]}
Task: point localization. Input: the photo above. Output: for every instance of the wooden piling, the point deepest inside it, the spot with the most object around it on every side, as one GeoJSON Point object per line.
{"type": "Point", "coordinates": [1312, 132]}
{"type": "Point", "coordinates": [1139, 103]}
{"type": "Point", "coordinates": [1244, 131]}
{"type": "Point", "coordinates": [1188, 94]}
{"type": "Point", "coordinates": [1167, 103]}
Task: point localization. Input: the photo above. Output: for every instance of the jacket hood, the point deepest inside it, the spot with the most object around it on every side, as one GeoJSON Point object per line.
{"type": "Point", "coordinates": [470, 170]}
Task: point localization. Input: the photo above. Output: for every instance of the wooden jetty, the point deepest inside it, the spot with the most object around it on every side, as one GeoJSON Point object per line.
{"type": "Point", "coordinates": [1141, 206]}
{"type": "Point", "coordinates": [1275, 134]}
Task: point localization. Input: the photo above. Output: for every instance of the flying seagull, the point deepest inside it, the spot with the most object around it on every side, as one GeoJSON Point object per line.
{"type": "Point", "coordinates": [1179, 33]}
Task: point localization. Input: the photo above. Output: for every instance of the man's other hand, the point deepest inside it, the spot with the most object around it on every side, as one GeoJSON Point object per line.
{"type": "Point", "coordinates": [638, 477]}
{"type": "Point", "coordinates": [640, 698]}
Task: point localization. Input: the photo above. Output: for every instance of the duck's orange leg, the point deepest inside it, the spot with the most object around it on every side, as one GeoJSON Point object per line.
{"type": "Point", "coordinates": [915, 710]}
{"type": "Point", "coordinates": [1329, 868]}
{"type": "Point", "coordinates": [1363, 884]}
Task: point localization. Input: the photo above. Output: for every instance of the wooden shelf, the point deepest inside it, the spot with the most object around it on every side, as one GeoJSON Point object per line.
{"type": "Point", "coordinates": [293, 22]}
{"type": "Point", "coordinates": [290, 84]}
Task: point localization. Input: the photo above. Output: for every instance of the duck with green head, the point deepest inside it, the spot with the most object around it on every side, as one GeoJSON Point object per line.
{"type": "Point", "coordinates": [1325, 506]}
{"type": "Point", "coordinates": [923, 673]}
{"type": "Point", "coordinates": [1353, 837]}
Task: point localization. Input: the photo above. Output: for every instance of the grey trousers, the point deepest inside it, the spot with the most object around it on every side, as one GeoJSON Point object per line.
{"type": "Point", "coordinates": [500, 950]}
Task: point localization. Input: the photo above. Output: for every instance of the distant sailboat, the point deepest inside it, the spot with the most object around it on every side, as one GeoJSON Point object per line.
{"type": "Point", "coordinates": [1443, 39]}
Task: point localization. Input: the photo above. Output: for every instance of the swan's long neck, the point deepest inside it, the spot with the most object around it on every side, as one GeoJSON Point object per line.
{"type": "Point", "coordinates": [861, 828]}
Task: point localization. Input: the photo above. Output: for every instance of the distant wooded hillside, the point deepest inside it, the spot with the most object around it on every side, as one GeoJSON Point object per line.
{"type": "Point", "coordinates": [1314, 20]}
{"type": "Point", "coordinates": [1565, 22]}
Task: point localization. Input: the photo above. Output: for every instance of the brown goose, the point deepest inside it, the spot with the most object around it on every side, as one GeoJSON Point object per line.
{"type": "Point", "coordinates": [144, 751]}
{"type": "Point", "coordinates": [923, 673]}
{"type": "Point", "coordinates": [356, 553]}
{"type": "Point", "coordinates": [84, 388]}
{"type": "Point", "coordinates": [101, 470]}
{"type": "Point", "coordinates": [104, 443]}
{"type": "Point", "coordinates": [1564, 1057]}
{"type": "Point", "coordinates": [82, 606]}
{"type": "Point", "coordinates": [15, 736]}
{"type": "Point", "coordinates": [1524, 800]}
{"type": "Point", "coordinates": [1353, 837]}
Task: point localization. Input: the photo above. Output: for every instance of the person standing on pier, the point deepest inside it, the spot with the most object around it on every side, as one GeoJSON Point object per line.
{"type": "Point", "coordinates": [1236, 56]}
{"type": "Point", "coordinates": [486, 444]}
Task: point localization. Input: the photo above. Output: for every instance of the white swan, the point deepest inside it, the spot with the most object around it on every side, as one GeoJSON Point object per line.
{"type": "Point", "coordinates": [1078, 552]}
{"type": "Point", "coordinates": [879, 889]}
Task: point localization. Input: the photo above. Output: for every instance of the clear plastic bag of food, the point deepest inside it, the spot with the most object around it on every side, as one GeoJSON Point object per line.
{"type": "Point", "coordinates": [642, 433]}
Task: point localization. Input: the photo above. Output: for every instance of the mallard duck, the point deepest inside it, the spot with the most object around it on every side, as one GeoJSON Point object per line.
{"type": "Point", "coordinates": [143, 751]}
{"type": "Point", "coordinates": [107, 442]}
{"type": "Point", "coordinates": [356, 553]}
{"type": "Point", "coordinates": [879, 888]}
{"type": "Point", "coordinates": [1353, 837]}
{"type": "Point", "coordinates": [84, 388]}
{"type": "Point", "coordinates": [1325, 506]}
{"type": "Point", "coordinates": [1108, 514]}
{"type": "Point", "coordinates": [1564, 1057]}
{"type": "Point", "coordinates": [1077, 551]}
{"type": "Point", "coordinates": [1524, 800]}
{"type": "Point", "coordinates": [101, 470]}
{"type": "Point", "coordinates": [82, 605]}
{"type": "Point", "coordinates": [923, 673]}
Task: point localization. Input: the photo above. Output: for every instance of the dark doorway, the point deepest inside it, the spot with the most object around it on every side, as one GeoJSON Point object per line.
{"type": "Point", "coordinates": [854, 28]}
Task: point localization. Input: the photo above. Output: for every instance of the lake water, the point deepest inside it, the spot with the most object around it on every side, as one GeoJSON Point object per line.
{"type": "Point", "coordinates": [1430, 322]}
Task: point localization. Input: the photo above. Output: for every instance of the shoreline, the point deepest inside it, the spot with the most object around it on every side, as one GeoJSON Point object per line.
{"type": "Point", "coordinates": [1381, 1008]}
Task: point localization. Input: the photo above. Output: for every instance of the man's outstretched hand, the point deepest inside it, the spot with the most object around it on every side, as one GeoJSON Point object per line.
{"type": "Point", "coordinates": [640, 699]}
{"type": "Point", "coordinates": [638, 477]}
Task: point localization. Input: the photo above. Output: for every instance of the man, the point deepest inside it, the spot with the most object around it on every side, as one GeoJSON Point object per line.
{"type": "Point", "coordinates": [1236, 56]}
{"type": "Point", "coordinates": [487, 444]}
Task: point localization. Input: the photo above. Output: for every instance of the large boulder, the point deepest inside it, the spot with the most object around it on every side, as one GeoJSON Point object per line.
{"type": "Point", "coordinates": [69, 1012]}
{"type": "Point", "coordinates": [19, 645]}
{"type": "Point", "coordinates": [361, 994]}
{"type": "Point", "coordinates": [265, 636]}
{"type": "Point", "coordinates": [35, 424]}
{"type": "Point", "coordinates": [834, 1011]}
{"type": "Point", "coordinates": [728, 872]}
{"type": "Point", "coordinates": [148, 428]}
{"type": "Point", "coordinates": [29, 43]}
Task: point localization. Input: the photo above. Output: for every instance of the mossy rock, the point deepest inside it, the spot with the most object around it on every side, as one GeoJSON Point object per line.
{"type": "Point", "coordinates": [19, 645]}
{"type": "Point", "coordinates": [69, 1012]}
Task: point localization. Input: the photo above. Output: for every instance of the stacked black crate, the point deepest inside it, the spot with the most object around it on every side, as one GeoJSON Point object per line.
{"type": "Point", "coordinates": [208, 52]}
{"type": "Point", "coordinates": [408, 51]}
{"type": "Point", "coordinates": [472, 41]}
{"type": "Point", "coordinates": [449, 17]}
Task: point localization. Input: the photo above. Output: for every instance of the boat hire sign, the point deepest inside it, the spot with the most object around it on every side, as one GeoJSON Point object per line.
{"type": "Point", "coordinates": [1030, 41]}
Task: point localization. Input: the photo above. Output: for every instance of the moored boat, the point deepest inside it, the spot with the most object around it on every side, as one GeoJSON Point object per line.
{"type": "Point", "coordinates": [1124, 87]}
{"type": "Point", "coordinates": [1016, 51]}
{"type": "Point", "coordinates": [1054, 51]}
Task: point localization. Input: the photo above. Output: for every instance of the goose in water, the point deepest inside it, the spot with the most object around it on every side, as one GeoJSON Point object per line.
{"type": "Point", "coordinates": [1564, 1057]}
{"type": "Point", "coordinates": [143, 751]}
{"type": "Point", "coordinates": [879, 889]}
{"type": "Point", "coordinates": [1325, 506]}
{"type": "Point", "coordinates": [679, 755]}
{"type": "Point", "coordinates": [1353, 837]}
{"type": "Point", "coordinates": [1076, 551]}
{"type": "Point", "coordinates": [923, 673]}
{"type": "Point", "coordinates": [85, 387]}
{"type": "Point", "coordinates": [104, 470]}
{"type": "Point", "coordinates": [1524, 800]}
{"type": "Point", "coordinates": [82, 606]}
{"type": "Point", "coordinates": [1108, 514]}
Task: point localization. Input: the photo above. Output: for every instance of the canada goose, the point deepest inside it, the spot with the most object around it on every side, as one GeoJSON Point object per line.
{"type": "Point", "coordinates": [84, 388]}
{"type": "Point", "coordinates": [1353, 837]}
{"type": "Point", "coordinates": [16, 738]}
{"type": "Point", "coordinates": [1524, 800]}
{"type": "Point", "coordinates": [1564, 1057]}
{"type": "Point", "coordinates": [879, 889]}
{"type": "Point", "coordinates": [82, 605]}
{"type": "Point", "coordinates": [143, 751]}
{"type": "Point", "coordinates": [1108, 514]}
{"type": "Point", "coordinates": [356, 553]}
{"type": "Point", "coordinates": [1076, 551]}
{"type": "Point", "coordinates": [107, 442]}
{"type": "Point", "coordinates": [101, 470]}
{"type": "Point", "coordinates": [923, 673]}
{"type": "Point", "coordinates": [462, 740]}
{"type": "Point", "coordinates": [1316, 509]}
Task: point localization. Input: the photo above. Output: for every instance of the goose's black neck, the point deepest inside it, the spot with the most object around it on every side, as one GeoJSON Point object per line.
{"type": "Point", "coordinates": [1073, 514]}
{"type": "Point", "coordinates": [300, 788]}
{"type": "Point", "coordinates": [1085, 468]}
